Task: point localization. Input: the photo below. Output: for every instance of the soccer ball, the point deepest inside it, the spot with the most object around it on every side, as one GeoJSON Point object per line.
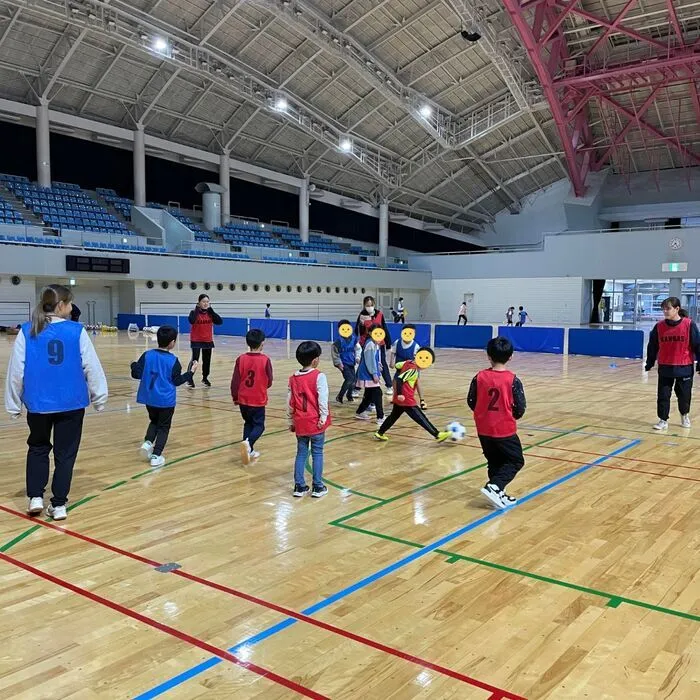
{"type": "Point", "coordinates": [456, 430]}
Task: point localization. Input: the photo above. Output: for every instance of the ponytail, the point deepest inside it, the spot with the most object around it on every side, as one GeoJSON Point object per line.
{"type": "Point", "coordinates": [51, 297]}
{"type": "Point", "coordinates": [682, 313]}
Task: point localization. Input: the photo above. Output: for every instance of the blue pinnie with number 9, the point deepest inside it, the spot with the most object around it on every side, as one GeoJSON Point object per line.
{"type": "Point", "coordinates": [55, 373]}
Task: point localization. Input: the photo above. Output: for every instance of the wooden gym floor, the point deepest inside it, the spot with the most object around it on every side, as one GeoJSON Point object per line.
{"type": "Point", "coordinates": [401, 583]}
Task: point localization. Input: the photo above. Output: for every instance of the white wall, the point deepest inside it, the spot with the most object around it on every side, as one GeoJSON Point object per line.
{"type": "Point", "coordinates": [16, 301]}
{"type": "Point", "coordinates": [548, 300]}
{"type": "Point", "coordinates": [104, 296]}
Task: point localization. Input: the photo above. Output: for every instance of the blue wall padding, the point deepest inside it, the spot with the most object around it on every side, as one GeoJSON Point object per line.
{"type": "Point", "coordinates": [534, 338]}
{"type": "Point", "coordinates": [422, 332]}
{"type": "Point", "coordinates": [123, 320]}
{"type": "Point", "coordinates": [606, 343]}
{"type": "Point", "coordinates": [271, 327]}
{"type": "Point", "coordinates": [232, 326]}
{"type": "Point", "coordinates": [311, 330]}
{"type": "Point", "coordinates": [472, 337]}
{"type": "Point", "coordinates": [159, 320]}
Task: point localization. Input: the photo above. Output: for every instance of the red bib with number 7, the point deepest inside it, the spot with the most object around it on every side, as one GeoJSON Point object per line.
{"type": "Point", "coordinates": [252, 390]}
{"type": "Point", "coordinates": [304, 404]}
{"type": "Point", "coordinates": [493, 414]}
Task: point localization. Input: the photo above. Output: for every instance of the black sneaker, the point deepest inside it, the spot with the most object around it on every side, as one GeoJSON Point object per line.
{"type": "Point", "coordinates": [206, 382]}
{"type": "Point", "coordinates": [350, 399]}
{"type": "Point", "coordinates": [318, 491]}
{"type": "Point", "coordinates": [300, 490]}
{"type": "Point", "coordinates": [339, 400]}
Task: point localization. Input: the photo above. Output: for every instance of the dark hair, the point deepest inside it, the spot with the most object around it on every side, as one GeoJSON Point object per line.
{"type": "Point", "coordinates": [368, 298]}
{"type": "Point", "coordinates": [520, 308]}
{"type": "Point", "coordinates": [267, 305]}
{"type": "Point", "coordinates": [410, 325]}
{"type": "Point", "coordinates": [202, 296]}
{"type": "Point", "coordinates": [343, 321]}
{"type": "Point", "coordinates": [307, 352]}
{"type": "Point", "coordinates": [254, 338]}
{"type": "Point", "coordinates": [166, 335]}
{"type": "Point", "coordinates": [51, 296]}
{"type": "Point", "coordinates": [499, 349]}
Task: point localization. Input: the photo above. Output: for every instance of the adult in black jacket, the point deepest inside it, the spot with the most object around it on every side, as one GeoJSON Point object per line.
{"type": "Point", "coordinates": [203, 319]}
{"type": "Point", "coordinates": [675, 341]}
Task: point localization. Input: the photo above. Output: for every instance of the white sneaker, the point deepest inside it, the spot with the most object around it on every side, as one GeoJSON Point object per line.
{"type": "Point", "coordinates": [146, 450]}
{"type": "Point", "coordinates": [661, 425]}
{"type": "Point", "coordinates": [380, 422]}
{"type": "Point", "coordinates": [356, 393]}
{"type": "Point", "coordinates": [685, 420]}
{"type": "Point", "coordinates": [157, 461]}
{"type": "Point", "coordinates": [36, 505]}
{"type": "Point", "coordinates": [244, 447]}
{"type": "Point", "coordinates": [57, 512]}
{"type": "Point", "coordinates": [492, 492]}
{"type": "Point", "coordinates": [362, 416]}
{"type": "Point", "coordinates": [254, 455]}
{"type": "Point", "coordinates": [371, 408]}
{"type": "Point", "coordinates": [389, 391]}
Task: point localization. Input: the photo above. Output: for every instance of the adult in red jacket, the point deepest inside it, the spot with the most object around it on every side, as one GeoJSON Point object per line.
{"type": "Point", "coordinates": [203, 319]}
{"type": "Point", "coordinates": [371, 316]}
{"type": "Point", "coordinates": [675, 342]}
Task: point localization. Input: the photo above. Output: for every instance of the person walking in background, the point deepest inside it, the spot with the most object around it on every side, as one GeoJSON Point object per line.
{"type": "Point", "coordinates": [523, 316]}
{"type": "Point", "coordinates": [203, 319]}
{"type": "Point", "coordinates": [267, 311]}
{"type": "Point", "coordinates": [400, 311]}
{"type": "Point", "coordinates": [55, 373]}
{"type": "Point", "coordinates": [509, 315]}
{"type": "Point", "coordinates": [462, 313]}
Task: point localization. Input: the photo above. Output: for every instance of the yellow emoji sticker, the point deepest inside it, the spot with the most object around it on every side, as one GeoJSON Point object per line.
{"type": "Point", "coordinates": [378, 335]}
{"type": "Point", "coordinates": [345, 331]}
{"type": "Point", "coordinates": [408, 335]}
{"type": "Point", "coordinates": [424, 358]}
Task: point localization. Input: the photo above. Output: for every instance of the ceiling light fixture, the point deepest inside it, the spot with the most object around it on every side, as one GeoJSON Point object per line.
{"type": "Point", "coordinates": [160, 44]}
{"type": "Point", "coordinates": [281, 104]}
{"type": "Point", "coordinates": [346, 145]}
{"type": "Point", "coordinates": [426, 111]}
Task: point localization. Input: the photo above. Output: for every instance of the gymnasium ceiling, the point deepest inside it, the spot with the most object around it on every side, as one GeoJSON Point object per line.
{"type": "Point", "coordinates": [370, 98]}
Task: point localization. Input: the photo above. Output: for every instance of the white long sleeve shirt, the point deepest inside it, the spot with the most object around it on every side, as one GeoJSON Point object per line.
{"type": "Point", "coordinates": [94, 374]}
{"type": "Point", "coordinates": [321, 388]}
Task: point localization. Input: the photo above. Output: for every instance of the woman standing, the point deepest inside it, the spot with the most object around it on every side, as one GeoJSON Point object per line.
{"type": "Point", "coordinates": [203, 319]}
{"type": "Point", "coordinates": [55, 372]}
{"type": "Point", "coordinates": [675, 342]}
{"type": "Point", "coordinates": [371, 316]}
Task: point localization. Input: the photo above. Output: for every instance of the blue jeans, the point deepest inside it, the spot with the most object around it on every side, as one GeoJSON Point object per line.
{"type": "Point", "coordinates": [303, 442]}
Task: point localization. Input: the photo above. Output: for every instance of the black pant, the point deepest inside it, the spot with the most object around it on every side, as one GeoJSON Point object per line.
{"type": "Point", "coordinates": [348, 382]}
{"type": "Point", "coordinates": [67, 430]}
{"type": "Point", "coordinates": [254, 423]}
{"type": "Point", "coordinates": [386, 374]}
{"type": "Point", "coordinates": [372, 395]}
{"type": "Point", "coordinates": [462, 316]}
{"type": "Point", "coordinates": [206, 361]}
{"type": "Point", "coordinates": [159, 427]}
{"type": "Point", "coordinates": [683, 388]}
{"type": "Point", "coordinates": [414, 413]}
{"type": "Point", "coordinates": [505, 458]}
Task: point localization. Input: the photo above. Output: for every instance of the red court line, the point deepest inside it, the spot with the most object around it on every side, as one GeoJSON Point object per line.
{"type": "Point", "coordinates": [182, 636]}
{"type": "Point", "coordinates": [498, 693]}
{"type": "Point", "coordinates": [608, 466]}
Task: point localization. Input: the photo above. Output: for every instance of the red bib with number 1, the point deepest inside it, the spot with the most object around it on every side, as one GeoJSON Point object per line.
{"type": "Point", "coordinates": [493, 414]}
{"type": "Point", "coordinates": [304, 404]}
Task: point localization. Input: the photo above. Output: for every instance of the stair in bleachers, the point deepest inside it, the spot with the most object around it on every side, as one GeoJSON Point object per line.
{"type": "Point", "coordinates": [14, 211]}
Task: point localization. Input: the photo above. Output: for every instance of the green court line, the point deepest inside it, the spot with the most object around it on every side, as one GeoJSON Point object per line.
{"type": "Point", "coordinates": [443, 479]}
{"type": "Point", "coordinates": [23, 535]}
{"type": "Point", "coordinates": [614, 601]}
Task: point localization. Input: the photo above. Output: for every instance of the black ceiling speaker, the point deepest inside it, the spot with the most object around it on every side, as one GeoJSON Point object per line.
{"type": "Point", "coordinates": [472, 35]}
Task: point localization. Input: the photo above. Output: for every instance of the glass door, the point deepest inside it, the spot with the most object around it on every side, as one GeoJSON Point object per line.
{"type": "Point", "coordinates": [650, 295]}
{"type": "Point", "coordinates": [689, 298]}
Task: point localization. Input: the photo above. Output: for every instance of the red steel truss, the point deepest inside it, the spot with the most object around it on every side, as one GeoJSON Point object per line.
{"type": "Point", "coordinates": [570, 83]}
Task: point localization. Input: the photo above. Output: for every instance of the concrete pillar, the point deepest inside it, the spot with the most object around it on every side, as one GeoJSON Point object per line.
{"type": "Point", "coordinates": [304, 210]}
{"type": "Point", "coordinates": [43, 147]}
{"type": "Point", "coordinates": [211, 210]}
{"type": "Point", "coordinates": [383, 228]}
{"type": "Point", "coordinates": [674, 287]}
{"type": "Point", "coordinates": [225, 182]}
{"type": "Point", "coordinates": [139, 166]}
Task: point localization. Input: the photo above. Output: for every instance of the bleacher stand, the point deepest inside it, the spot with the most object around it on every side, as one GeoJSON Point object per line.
{"type": "Point", "coordinates": [121, 204]}
{"type": "Point", "coordinates": [66, 206]}
{"type": "Point", "coordinates": [214, 254]}
{"type": "Point", "coordinates": [293, 260]}
{"type": "Point", "coordinates": [240, 233]}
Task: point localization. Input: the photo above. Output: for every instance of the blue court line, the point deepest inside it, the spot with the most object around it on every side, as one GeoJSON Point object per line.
{"type": "Point", "coordinates": [362, 583]}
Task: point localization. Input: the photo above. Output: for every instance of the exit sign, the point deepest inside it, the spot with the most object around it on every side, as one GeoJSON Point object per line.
{"type": "Point", "coordinates": [674, 267]}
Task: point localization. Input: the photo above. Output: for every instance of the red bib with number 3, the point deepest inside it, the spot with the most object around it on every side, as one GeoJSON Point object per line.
{"type": "Point", "coordinates": [493, 414]}
{"type": "Point", "coordinates": [304, 404]}
{"type": "Point", "coordinates": [253, 387]}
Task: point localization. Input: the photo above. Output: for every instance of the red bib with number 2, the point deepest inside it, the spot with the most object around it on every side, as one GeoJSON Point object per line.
{"type": "Point", "coordinates": [493, 414]}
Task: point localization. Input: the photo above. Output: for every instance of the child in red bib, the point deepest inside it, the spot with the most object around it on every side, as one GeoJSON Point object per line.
{"type": "Point", "coordinates": [252, 377]}
{"type": "Point", "coordinates": [497, 398]}
{"type": "Point", "coordinates": [309, 417]}
{"type": "Point", "coordinates": [675, 342]}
